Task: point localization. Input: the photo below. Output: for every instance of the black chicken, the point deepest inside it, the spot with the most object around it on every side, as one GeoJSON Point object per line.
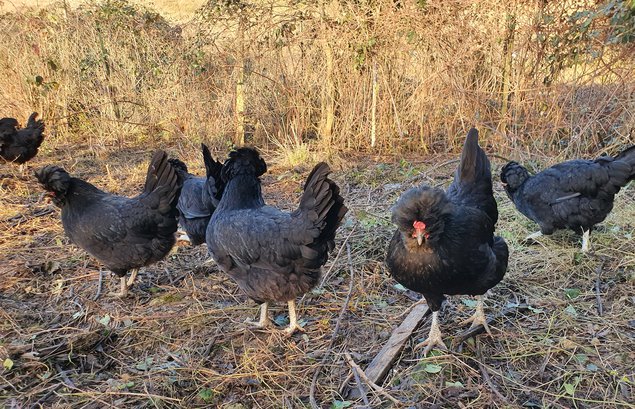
{"type": "Point", "coordinates": [273, 255]}
{"type": "Point", "coordinates": [576, 194]}
{"type": "Point", "coordinates": [198, 199]}
{"type": "Point", "coordinates": [20, 145]}
{"type": "Point", "coordinates": [123, 233]}
{"type": "Point", "coordinates": [445, 243]}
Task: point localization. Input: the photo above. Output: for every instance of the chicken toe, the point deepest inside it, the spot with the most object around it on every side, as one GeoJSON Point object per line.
{"type": "Point", "coordinates": [479, 317]}
{"type": "Point", "coordinates": [264, 321]}
{"type": "Point", "coordinates": [434, 337]}
{"type": "Point", "coordinates": [123, 291]}
{"type": "Point", "coordinates": [585, 240]}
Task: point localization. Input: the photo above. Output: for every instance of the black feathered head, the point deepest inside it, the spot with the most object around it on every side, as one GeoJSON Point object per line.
{"type": "Point", "coordinates": [55, 181]}
{"type": "Point", "coordinates": [178, 165]}
{"type": "Point", "coordinates": [513, 176]}
{"type": "Point", "coordinates": [243, 161]}
{"type": "Point", "coordinates": [8, 125]}
{"type": "Point", "coordinates": [420, 214]}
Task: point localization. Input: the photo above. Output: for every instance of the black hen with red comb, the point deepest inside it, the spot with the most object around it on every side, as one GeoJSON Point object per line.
{"type": "Point", "coordinates": [445, 243]}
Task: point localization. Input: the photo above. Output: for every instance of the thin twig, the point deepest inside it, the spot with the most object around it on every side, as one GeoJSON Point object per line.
{"type": "Point", "coordinates": [316, 374]}
{"type": "Point", "coordinates": [360, 387]}
{"type": "Point", "coordinates": [67, 381]}
{"type": "Point", "coordinates": [99, 285]}
{"type": "Point", "coordinates": [486, 376]}
{"type": "Point", "coordinates": [337, 256]}
{"type": "Point", "coordinates": [598, 294]}
{"type": "Point", "coordinates": [370, 383]}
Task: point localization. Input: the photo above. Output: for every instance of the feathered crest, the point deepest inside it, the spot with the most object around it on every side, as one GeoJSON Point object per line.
{"type": "Point", "coordinates": [513, 176]}
{"type": "Point", "coordinates": [424, 204]}
{"type": "Point", "coordinates": [54, 180]}
{"type": "Point", "coordinates": [243, 161]}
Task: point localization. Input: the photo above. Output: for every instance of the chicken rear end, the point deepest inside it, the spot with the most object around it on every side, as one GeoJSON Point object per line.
{"type": "Point", "coordinates": [123, 233]}
{"type": "Point", "coordinates": [273, 255]}
{"type": "Point", "coordinates": [198, 201]}
{"type": "Point", "coordinates": [20, 145]}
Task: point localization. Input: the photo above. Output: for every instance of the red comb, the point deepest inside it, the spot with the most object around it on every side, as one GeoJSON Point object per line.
{"type": "Point", "coordinates": [419, 225]}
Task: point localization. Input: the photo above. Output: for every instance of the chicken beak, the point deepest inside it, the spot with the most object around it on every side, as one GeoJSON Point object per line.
{"type": "Point", "coordinates": [420, 236]}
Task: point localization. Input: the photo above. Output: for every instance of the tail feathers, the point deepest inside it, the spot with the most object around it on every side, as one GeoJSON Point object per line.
{"type": "Point", "coordinates": [322, 202]}
{"type": "Point", "coordinates": [474, 163]}
{"type": "Point", "coordinates": [472, 185]}
{"type": "Point", "coordinates": [628, 156]}
{"type": "Point", "coordinates": [33, 131]}
{"type": "Point", "coordinates": [34, 123]}
{"type": "Point", "coordinates": [213, 170]}
{"type": "Point", "coordinates": [161, 175]}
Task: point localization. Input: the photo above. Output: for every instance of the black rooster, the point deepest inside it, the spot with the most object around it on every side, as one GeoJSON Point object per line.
{"type": "Point", "coordinates": [123, 233]}
{"type": "Point", "coordinates": [198, 199]}
{"type": "Point", "coordinates": [445, 243]}
{"type": "Point", "coordinates": [273, 255]}
{"type": "Point", "coordinates": [20, 145]}
{"type": "Point", "coordinates": [576, 194]}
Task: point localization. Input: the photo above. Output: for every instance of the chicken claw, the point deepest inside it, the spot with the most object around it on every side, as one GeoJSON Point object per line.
{"type": "Point", "coordinates": [479, 317]}
{"type": "Point", "coordinates": [434, 337]}
{"type": "Point", "coordinates": [264, 321]}
{"type": "Point", "coordinates": [293, 321]}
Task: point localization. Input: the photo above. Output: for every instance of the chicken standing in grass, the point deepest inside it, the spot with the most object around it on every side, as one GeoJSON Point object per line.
{"type": "Point", "coordinates": [198, 199]}
{"type": "Point", "coordinates": [273, 255]}
{"type": "Point", "coordinates": [576, 194]}
{"type": "Point", "coordinates": [123, 233]}
{"type": "Point", "coordinates": [445, 243]}
{"type": "Point", "coordinates": [20, 145]}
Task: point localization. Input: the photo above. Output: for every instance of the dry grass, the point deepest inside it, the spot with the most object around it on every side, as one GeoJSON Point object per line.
{"type": "Point", "coordinates": [180, 341]}
{"type": "Point", "coordinates": [113, 73]}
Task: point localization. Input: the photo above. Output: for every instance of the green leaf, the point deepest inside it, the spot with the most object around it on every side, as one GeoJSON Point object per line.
{"type": "Point", "coordinates": [569, 388]}
{"type": "Point", "coordinates": [572, 293]}
{"type": "Point", "coordinates": [8, 364]}
{"type": "Point", "coordinates": [432, 368]}
{"type": "Point", "coordinates": [105, 320]}
{"type": "Point", "coordinates": [469, 302]}
{"type": "Point", "coordinates": [453, 384]}
{"type": "Point", "coordinates": [400, 287]}
{"type": "Point", "coordinates": [592, 367]}
{"type": "Point", "coordinates": [206, 395]}
{"type": "Point", "coordinates": [144, 365]}
{"type": "Point", "coordinates": [534, 310]}
{"type": "Point", "coordinates": [571, 311]}
{"type": "Point", "coordinates": [341, 404]}
{"type": "Point", "coordinates": [581, 358]}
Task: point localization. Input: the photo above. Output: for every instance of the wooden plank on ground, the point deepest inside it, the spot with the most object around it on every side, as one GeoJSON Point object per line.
{"type": "Point", "coordinates": [383, 361]}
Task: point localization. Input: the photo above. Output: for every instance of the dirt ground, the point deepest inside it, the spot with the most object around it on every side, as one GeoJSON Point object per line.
{"type": "Point", "coordinates": [567, 339]}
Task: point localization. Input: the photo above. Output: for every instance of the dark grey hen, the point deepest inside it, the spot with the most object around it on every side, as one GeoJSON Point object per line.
{"type": "Point", "coordinates": [273, 255]}
{"type": "Point", "coordinates": [198, 199]}
{"type": "Point", "coordinates": [123, 233]}
{"type": "Point", "coordinates": [576, 195]}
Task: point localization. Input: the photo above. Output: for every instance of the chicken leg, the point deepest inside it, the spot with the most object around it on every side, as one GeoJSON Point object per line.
{"type": "Point", "coordinates": [434, 336]}
{"type": "Point", "coordinates": [585, 240]}
{"type": "Point", "coordinates": [264, 320]}
{"type": "Point", "coordinates": [125, 284]}
{"type": "Point", "coordinates": [479, 316]}
{"type": "Point", "coordinates": [293, 320]}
